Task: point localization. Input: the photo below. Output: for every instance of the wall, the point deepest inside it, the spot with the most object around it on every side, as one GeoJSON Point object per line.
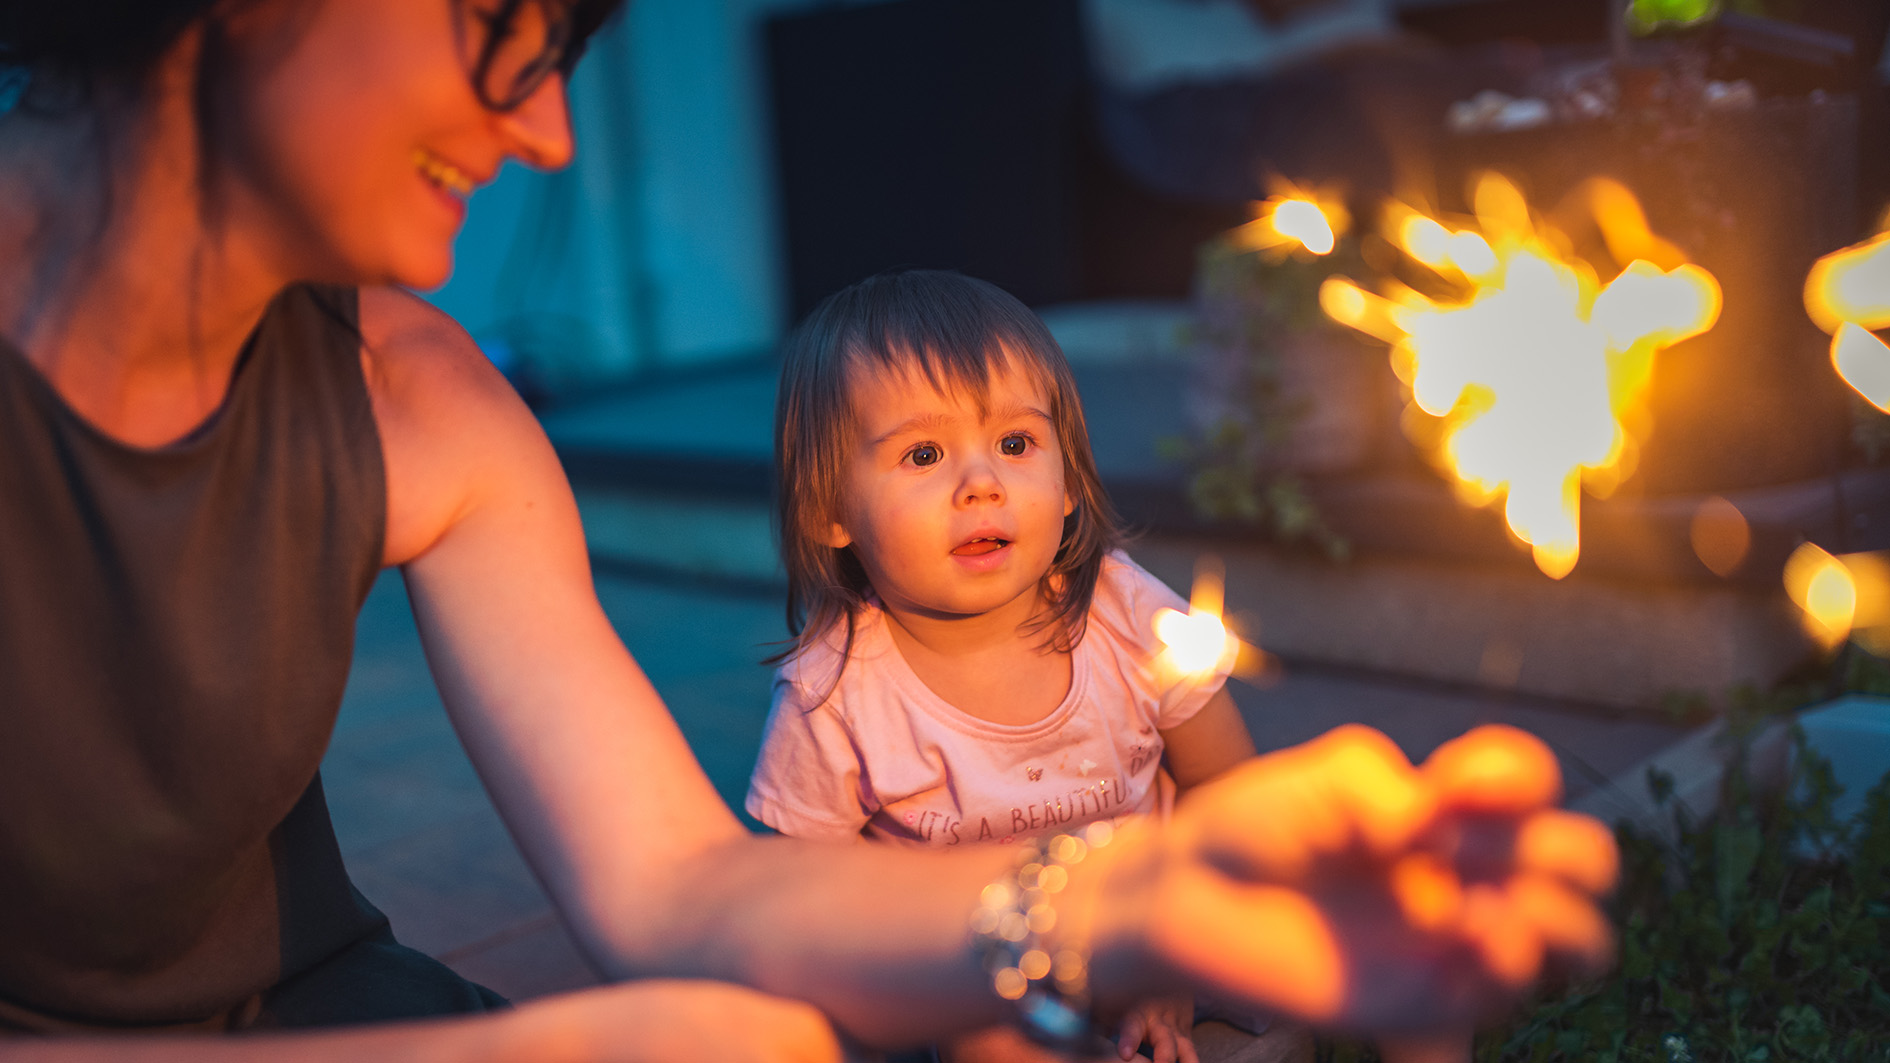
{"type": "Point", "coordinates": [659, 248]}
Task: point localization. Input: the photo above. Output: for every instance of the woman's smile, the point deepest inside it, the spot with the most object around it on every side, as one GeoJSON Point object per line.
{"type": "Point", "coordinates": [444, 175]}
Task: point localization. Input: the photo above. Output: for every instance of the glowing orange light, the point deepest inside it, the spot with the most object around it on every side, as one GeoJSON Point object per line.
{"type": "Point", "coordinates": [1302, 220]}
{"type": "Point", "coordinates": [1842, 596]}
{"type": "Point", "coordinates": [1532, 366]}
{"type": "Point", "coordinates": [1864, 362]}
{"type": "Point", "coordinates": [1823, 589]}
{"type": "Point", "coordinates": [1848, 294]}
{"type": "Point", "coordinates": [1852, 285]}
{"type": "Point", "coordinates": [1197, 642]}
{"type": "Point", "coordinates": [1295, 221]}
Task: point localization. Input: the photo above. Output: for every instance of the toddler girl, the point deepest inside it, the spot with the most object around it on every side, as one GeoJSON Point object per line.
{"type": "Point", "coordinates": [972, 659]}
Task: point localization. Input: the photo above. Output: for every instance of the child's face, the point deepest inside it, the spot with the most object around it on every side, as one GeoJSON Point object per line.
{"type": "Point", "coordinates": [951, 512]}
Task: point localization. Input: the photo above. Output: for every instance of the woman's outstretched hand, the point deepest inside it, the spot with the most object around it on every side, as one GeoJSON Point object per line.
{"type": "Point", "coordinates": [1338, 883]}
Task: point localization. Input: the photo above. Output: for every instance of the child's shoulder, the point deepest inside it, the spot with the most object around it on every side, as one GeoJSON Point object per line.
{"type": "Point", "coordinates": [821, 670]}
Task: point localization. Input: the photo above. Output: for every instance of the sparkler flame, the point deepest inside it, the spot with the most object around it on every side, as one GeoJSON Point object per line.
{"type": "Point", "coordinates": [1532, 363]}
{"type": "Point", "coordinates": [1824, 590]}
{"type": "Point", "coordinates": [1295, 221]}
{"type": "Point", "coordinates": [1848, 294]}
{"type": "Point", "coordinates": [1852, 285]}
{"type": "Point", "coordinates": [1197, 642]}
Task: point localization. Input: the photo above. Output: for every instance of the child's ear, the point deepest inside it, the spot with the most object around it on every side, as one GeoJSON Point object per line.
{"type": "Point", "coordinates": [1069, 503]}
{"type": "Point", "coordinates": [837, 536]}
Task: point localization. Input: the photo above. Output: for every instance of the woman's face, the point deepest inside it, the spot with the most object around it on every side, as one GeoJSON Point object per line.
{"type": "Point", "coordinates": [356, 136]}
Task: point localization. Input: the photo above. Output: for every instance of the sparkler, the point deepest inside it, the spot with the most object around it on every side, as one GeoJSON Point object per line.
{"type": "Point", "coordinates": [1295, 221]}
{"type": "Point", "coordinates": [1847, 294]}
{"type": "Point", "coordinates": [1197, 642]}
{"type": "Point", "coordinates": [1527, 373]}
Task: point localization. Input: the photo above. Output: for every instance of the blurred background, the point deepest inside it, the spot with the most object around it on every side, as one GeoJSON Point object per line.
{"type": "Point", "coordinates": [1119, 165]}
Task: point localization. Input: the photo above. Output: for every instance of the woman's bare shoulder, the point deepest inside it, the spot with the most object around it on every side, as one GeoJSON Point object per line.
{"type": "Point", "coordinates": [450, 423]}
{"type": "Point", "coordinates": [411, 344]}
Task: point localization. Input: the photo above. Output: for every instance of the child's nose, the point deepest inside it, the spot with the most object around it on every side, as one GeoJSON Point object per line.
{"type": "Point", "coordinates": [980, 485]}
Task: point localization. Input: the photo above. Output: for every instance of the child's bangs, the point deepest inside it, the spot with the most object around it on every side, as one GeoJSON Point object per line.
{"type": "Point", "coordinates": [956, 354]}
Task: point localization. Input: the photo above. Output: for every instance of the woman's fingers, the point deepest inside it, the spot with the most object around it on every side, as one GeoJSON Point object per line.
{"type": "Point", "coordinates": [1337, 883]}
{"type": "Point", "coordinates": [1348, 795]}
{"type": "Point", "coordinates": [1575, 848]}
{"type": "Point", "coordinates": [1509, 944]}
{"type": "Point", "coordinates": [1368, 775]}
{"type": "Point", "coordinates": [1494, 770]}
{"type": "Point", "coordinates": [1566, 921]}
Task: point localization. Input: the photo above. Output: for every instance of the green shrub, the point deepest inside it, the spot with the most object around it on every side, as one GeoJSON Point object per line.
{"type": "Point", "coordinates": [1738, 940]}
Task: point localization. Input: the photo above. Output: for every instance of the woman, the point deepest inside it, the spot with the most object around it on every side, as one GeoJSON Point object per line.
{"type": "Point", "coordinates": [221, 415]}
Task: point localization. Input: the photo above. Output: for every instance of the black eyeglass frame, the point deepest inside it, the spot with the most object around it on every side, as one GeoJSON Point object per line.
{"type": "Point", "coordinates": [560, 54]}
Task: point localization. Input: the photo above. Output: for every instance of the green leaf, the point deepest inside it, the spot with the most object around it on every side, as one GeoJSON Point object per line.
{"type": "Point", "coordinates": [1736, 847]}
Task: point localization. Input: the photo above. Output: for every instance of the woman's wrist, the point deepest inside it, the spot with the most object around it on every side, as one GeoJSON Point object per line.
{"type": "Point", "coordinates": [1057, 934]}
{"type": "Point", "coordinates": [1107, 903]}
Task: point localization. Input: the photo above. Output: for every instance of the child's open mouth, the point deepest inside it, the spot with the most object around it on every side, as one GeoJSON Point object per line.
{"type": "Point", "coordinates": [975, 547]}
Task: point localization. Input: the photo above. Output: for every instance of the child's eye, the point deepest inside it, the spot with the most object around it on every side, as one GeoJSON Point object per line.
{"type": "Point", "coordinates": [1014, 446]}
{"type": "Point", "coordinates": [923, 454]}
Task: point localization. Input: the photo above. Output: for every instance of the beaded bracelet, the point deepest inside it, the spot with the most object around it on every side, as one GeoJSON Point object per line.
{"type": "Point", "coordinates": [1014, 914]}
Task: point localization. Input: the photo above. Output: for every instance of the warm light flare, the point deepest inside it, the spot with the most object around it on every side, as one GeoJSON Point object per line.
{"type": "Point", "coordinates": [1526, 375]}
{"type": "Point", "coordinates": [1424, 239]}
{"type": "Point", "coordinates": [1472, 254]}
{"type": "Point", "coordinates": [1197, 642]}
{"type": "Point", "coordinates": [1823, 589]}
{"type": "Point", "coordinates": [1303, 221]}
{"type": "Point", "coordinates": [1295, 221]}
{"type": "Point", "coordinates": [1648, 305]}
{"type": "Point", "coordinates": [1357, 308]}
{"type": "Point", "coordinates": [1842, 596]}
{"type": "Point", "coordinates": [1852, 285]}
{"type": "Point", "coordinates": [1623, 225]}
{"type": "Point", "coordinates": [1863, 361]}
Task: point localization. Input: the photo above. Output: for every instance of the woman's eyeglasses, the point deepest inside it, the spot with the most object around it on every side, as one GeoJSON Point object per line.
{"type": "Point", "coordinates": [514, 45]}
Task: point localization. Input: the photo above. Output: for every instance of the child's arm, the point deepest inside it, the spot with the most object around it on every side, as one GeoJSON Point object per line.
{"type": "Point", "coordinates": [1207, 743]}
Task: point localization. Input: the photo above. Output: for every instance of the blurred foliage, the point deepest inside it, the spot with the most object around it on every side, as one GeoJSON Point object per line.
{"type": "Point", "coordinates": [1759, 935]}
{"type": "Point", "coordinates": [1253, 302]}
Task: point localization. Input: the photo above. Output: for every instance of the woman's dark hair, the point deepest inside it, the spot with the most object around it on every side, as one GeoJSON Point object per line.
{"type": "Point", "coordinates": [90, 42]}
{"type": "Point", "coordinates": [956, 331]}
{"type": "Point", "coordinates": [73, 51]}
{"type": "Point", "coordinates": [100, 38]}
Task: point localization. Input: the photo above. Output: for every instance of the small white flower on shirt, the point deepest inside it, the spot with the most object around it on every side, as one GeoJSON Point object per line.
{"type": "Point", "coordinates": [1086, 767]}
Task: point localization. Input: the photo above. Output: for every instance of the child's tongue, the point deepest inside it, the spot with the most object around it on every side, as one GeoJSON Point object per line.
{"type": "Point", "coordinates": [978, 546]}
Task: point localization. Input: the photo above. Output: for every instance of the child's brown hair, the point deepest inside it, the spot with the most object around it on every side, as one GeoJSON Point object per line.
{"type": "Point", "coordinates": [956, 331]}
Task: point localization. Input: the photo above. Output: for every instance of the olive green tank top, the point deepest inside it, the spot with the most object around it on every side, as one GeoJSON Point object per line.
{"type": "Point", "coordinates": [176, 627]}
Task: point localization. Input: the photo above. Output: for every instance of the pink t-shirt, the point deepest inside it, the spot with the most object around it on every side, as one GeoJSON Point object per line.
{"type": "Point", "coordinates": [883, 756]}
